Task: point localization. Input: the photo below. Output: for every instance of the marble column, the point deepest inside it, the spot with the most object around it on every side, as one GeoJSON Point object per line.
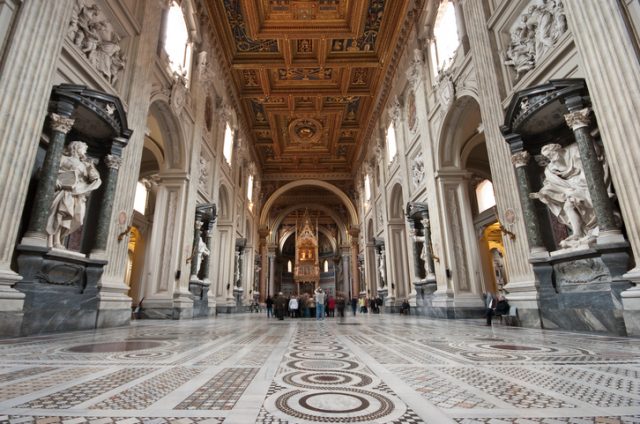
{"type": "Point", "coordinates": [613, 86]}
{"type": "Point", "coordinates": [346, 271]}
{"type": "Point", "coordinates": [61, 123]}
{"type": "Point", "coordinates": [26, 79]}
{"type": "Point", "coordinates": [263, 233]}
{"type": "Point", "coordinates": [522, 281]}
{"type": "Point", "coordinates": [113, 161]}
{"type": "Point", "coordinates": [355, 280]}
{"type": "Point", "coordinates": [115, 304]}
{"type": "Point", "coordinates": [532, 226]}
{"type": "Point", "coordinates": [272, 271]}
{"type": "Point", "coordinates": [578, 121]}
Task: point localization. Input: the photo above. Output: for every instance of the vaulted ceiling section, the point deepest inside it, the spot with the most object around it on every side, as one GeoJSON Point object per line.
{"type": "Point", "coordinates": [308, 74]}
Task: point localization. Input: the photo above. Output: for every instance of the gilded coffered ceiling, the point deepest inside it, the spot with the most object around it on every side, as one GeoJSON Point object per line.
{"type": "Point", "coordinates": [308, 74]}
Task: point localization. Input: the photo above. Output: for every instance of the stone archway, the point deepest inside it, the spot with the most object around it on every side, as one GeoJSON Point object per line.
{"type": "Point", "coordinates": [399, 280]}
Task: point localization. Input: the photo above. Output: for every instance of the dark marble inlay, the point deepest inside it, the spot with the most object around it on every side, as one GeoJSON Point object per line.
{"type": "Point", "coordinates": [114, 346]}
{"type": "Point", "coordinates": [515, 347]}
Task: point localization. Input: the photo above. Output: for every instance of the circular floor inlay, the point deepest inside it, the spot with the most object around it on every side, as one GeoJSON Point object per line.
{"type": "Point", "coordinates": [115, 346]}
{"type": "Point", "coordinates": [319, 355]}
{"type": "Point", "coordinates": [336, 406]}
{"type": "Point", "coordinates": [322, 364]}
{"type": "Point", "coordinates": [332, 402]}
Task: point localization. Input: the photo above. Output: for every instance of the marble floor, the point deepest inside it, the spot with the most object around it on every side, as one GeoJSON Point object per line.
{"type": "Point", "coordinates": [365, 369]}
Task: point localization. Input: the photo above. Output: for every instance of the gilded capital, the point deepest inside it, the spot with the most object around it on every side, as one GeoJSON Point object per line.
{"type": "Point", "coordinates": [520, 159]}
{"type": "Point", "coordinates": [113, 162]}
{"type": "Point", "coordinates": [578, 119]}
{"type": "Point", "coordinates": [61, 123]}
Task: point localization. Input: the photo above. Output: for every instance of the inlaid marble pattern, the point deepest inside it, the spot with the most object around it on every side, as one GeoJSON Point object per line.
{"type": "Point", "coordinates": [383, 368]}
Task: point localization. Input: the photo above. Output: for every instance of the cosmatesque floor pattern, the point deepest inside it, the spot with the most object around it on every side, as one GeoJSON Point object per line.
{"type": "Point", "coordinates": [247, 369]}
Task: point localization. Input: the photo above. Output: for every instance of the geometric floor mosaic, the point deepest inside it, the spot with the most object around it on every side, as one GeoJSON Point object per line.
{"type": "Point", "coordinates": [366, 369]}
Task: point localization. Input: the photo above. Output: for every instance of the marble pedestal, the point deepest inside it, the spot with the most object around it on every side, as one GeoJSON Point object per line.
{"type": "Point", "coordinates": [581, 290]}
{"type": "Point", "coordinates": [200, 291]}
{"type": "Point", "coordinates": [60, 288]}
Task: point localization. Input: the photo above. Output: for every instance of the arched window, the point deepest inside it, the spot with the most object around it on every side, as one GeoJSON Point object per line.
{"type": "Point", "coordinates": [367, 188]}
{"type": "Point", "coordinates": [140, 201]}
{"type": "Point", "coordinates": [227, 148]}
{"type": "Point", "coordinates": [289, 267]}
{"type": "Point", "coordinates": [445, 37]}
{"type": "Point", "coordinates": [176, 41]}
{"type": "Point", "coordinates": [250, 188]}
{"type": "Point", "coordinates": [392, 147]}
{"type": "Point", "coordinates": [484, 195]}
{"type": "Point", "coordinates": [325, 266]}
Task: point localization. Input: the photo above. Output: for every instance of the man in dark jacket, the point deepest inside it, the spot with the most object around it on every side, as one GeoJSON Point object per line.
{"type": "Point", "coordinates": [281, 305]}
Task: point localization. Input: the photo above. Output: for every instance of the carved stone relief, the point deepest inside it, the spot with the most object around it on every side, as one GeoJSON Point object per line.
{"type": "Point", "coordinates": [417, 170]}
{"type": "Point", "coordinates": [445, 90]}
{"type": "Point", "coordinates": [90, 32]}
{"type": "Point", "coordinates": [178, 93]}
{"type": "Point", "coordinates": [203, 180]}
{"type": "Point", "coordinates": [536, 32]}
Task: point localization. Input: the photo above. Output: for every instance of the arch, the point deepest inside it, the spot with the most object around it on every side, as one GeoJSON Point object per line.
{"type": "Point", "coordinates": [283, 214]}
{"type": "Point", "coordinates": [225, 205]}
{"type": "Point", "coordinates": [458, 128]}
{"type": "Point", "coordinates": [291, 231]}
{"type": "Point", "coordinates": [396, 207]}
{"type": "Point", "coordinates": [264, 215]}
{"type": "Point", "coordinates": [170, 136]}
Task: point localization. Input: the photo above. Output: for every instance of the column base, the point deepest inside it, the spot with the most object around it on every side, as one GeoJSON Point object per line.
{"type": "Point", "coordinates": [631, 303]}
{"type": "Point", "coordinates": [182, 305]}
{"type": "Point", "coordinates": [35, 239]}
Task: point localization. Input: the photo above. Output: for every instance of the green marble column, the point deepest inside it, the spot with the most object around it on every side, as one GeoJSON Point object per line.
{"type": "Point", "coordinates": [520, 160]}
{"type": "Point", "coordinates": [61, 124]}
{"type": "Point", "coordinates": [113, 162]}
{"type": "Point", "coordinates": [578, 121]}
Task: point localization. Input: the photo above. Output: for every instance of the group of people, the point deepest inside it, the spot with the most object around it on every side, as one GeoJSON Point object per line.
{"type": "Point", "coordinates": [319, 305]}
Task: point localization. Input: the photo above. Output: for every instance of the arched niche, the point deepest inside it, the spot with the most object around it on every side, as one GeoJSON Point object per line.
{"type": "Point", "coordinates": [224, 211]}
{"type": "Point", "coordinates": [396, 206]}
{"type": "Point", "coordinates": [460, 126]}
{"type": "Point", "coordinates": [166, 137]}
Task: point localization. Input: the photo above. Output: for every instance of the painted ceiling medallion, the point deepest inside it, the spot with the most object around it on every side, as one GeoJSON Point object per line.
{"type": "Point", "coordinates": [305, 130]}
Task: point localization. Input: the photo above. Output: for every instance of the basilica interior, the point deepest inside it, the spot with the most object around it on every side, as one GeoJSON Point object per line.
{"type": "Point", "coordinates": [172, 167]}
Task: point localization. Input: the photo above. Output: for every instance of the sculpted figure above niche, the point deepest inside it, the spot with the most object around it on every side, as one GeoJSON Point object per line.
{"type": "Point", "coordinates": [90, 32]}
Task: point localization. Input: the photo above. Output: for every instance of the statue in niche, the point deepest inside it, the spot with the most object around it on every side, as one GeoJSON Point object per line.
{"type": "Point", "coordinates": [382, 267]}
{"type": "Point", "coordinates": [77, 178]}
{"type": "Point", "coordinates": [202, 250]}
{"type": "Point", "coordinates": [566, 194]}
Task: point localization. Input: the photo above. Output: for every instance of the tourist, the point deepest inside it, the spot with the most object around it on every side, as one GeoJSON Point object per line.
{"type": "Point", "coordinates": [319, 298]}
{"type": "Point", "coordinates": [269, 303]}
{"type": "Point", "coordinates": [293, 307]}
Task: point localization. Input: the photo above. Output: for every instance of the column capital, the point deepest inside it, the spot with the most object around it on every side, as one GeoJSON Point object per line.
{"type": "Point", "coordinates": [61, 123]}
{"type": "Point", "coordinates": [578, 119]}
{"type": "Point", "coordinates": [520, 159]}
{"type": "Point", "coordinates": [113, 162]}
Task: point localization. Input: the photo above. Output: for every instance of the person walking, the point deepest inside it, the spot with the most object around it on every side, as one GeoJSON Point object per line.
{"type": "Point", "coordinates": [293, 307]}
{"type": "Point", "coordinates": [340, 303]}
{"type": "Point", "coordinates": [319, 297]}
{"type": "Point", "coordinates": [354, 305]}
{"type": "Point", "coordinates": [281, 305]}
{"type": "Point", "coordinates": [269, 303]}
{"type": "Point", "coordinates": [490, 305]}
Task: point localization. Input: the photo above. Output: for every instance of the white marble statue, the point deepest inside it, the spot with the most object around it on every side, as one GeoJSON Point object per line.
{"type": "Point", "coordinates": [566, 194]}
{"type": "Point", "coordinates": [203, 250]}
{"type": "Point", "coordinates": [382, 267]}
{"type": "Point", "coordinates": [77, 177]}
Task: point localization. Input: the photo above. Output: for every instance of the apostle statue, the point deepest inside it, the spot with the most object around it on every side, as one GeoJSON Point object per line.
{"type": "Point", "coordinates": [566, 194]}
{"type": "Point", "coordinates": [203, 250]}
{"type": "Point", "coordinates": [77, 178]}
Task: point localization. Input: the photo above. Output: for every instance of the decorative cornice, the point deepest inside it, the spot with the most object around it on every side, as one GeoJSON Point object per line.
{"type": "Point", "coordinates": [113, 162]}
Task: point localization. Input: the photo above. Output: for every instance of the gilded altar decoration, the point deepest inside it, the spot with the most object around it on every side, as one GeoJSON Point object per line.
{"type": "Point", "coordinates": [307, 266]}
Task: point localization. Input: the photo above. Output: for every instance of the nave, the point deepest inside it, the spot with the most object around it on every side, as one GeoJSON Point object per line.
{"type": "Point", "coordinates": [369, 368]}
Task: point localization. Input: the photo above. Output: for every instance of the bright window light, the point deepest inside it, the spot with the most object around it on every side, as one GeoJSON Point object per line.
{"type": "Point", "coordinates": [140, 202]}
{"type": "Point", "coordinates": [445, 34]}
{"type": "Point", "coordinates": [485, 196]}
{"type": "Point", "coordinates": [250, 188]}
{"type": "Point", "coordinates": [227, 149]}
{"type": "Point", "coordinates": [367, 188]}
{"type": "Point", "coordinates": [326, 266]}
{"type": "Point", "coordinates": [392, 148]}
{"type": "Point", "coordinates": [289, 267]}
{"type": "Point", "coordinates": [176, 40]}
